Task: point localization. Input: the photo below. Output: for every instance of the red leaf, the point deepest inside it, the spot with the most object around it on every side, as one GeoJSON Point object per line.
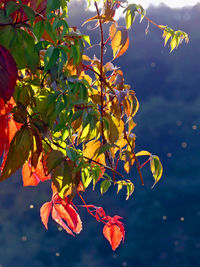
{"type": "Point", "coordinates": [56, 217]}
{"type": "Point", "coordinates": [8, 74]}
{"type": "Point", "coordinates": [69, 214]}
{"type": "Point", "coordinates": [7, 125]}
{"type": "Point", "coordinates": [113, 233]}
{"type": "Point", "coordinates": [45, 212]}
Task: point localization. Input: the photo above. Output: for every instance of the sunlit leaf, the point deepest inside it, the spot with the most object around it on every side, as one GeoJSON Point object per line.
{"type": "Point", "coordinates": [20, 145]}
{"type": "Point", "coordinates": [156, 168]}
{"type": "Point", "coordinates": [119, 40]}
{"type": "Point", "coordinates": [104, 186]}
{"type": "Point", "coordinates": [45, 211]}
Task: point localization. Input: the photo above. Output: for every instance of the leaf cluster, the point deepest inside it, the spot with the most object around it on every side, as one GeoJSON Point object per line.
{"type": "Point", "coordinates": [72, 116]}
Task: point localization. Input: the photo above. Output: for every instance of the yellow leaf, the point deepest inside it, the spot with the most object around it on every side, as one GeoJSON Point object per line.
{"type": "Point", "coordinates": [156, 168]}
{"type": "Point", "coordinates": [143, 153]}
{"type": "Point", "coordinates": [91, 148]}
{"type": "Point", "coordinates": [116, 128]}
{"type": "Point", "coordinates": [119, 40]}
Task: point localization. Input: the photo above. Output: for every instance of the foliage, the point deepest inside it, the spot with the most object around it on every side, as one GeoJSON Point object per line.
{"type": "Point", "coordinates": [67, 117]}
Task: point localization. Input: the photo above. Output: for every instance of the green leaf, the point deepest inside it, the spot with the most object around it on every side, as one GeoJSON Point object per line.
{"type": "Point", "coordinates": [104, 148]}
{"type": "Point", "coordinates": [86, 176]}
{"type": "Point", "coordinates": [30, 54]}
{"type": "Point", "coordinates": [96, 171]}
{"type": "Point", "coordinates": [54, 158]}
{"type": "Point", "coordinates": [87, 39]}
{"type": "Point", "coordinates": [130, 17]}
{"type": "Point", "coordinates": [29, 13]}
{"type": "Point", "coordinates": [120, 185]}
{"type": "Point", "coordinates": [53, 5]}
{"type": "Point", "coordinates": [72, 154]}
{"type": "Point", "coordinates": [42, 45]}
{"type": "Point", "coordinates": [173, 43]}
{"type": "Point", "coordinates": [130, 188]}
{"type": "Point", "coordinates": [38, 30]}
{"type": "Point", "coordinates": [52, 33]}
{"type": "Point", "coordinates": [156, 168]}
{"type": "Point", "coordinates": [62, 178]}
{"type": "Point", "coordinates": [104, 186]}
{"type": "Point", "coordinates": [141, 11]}
{"type": "Point", "coordinates": [21, 46]}
{"type": "Point", "coordinates": [11, 7]}
{"type": "Point", "coordinates": [50, 58]}
{"type": "Point", "coordinates": [18, 153]}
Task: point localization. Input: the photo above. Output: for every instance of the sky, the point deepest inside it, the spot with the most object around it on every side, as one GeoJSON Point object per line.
{"type": "Point", "coordinates": [171, 3]}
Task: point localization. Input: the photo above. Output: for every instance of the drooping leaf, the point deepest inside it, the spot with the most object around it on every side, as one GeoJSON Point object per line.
{"type": "Point", "coordinates": [86, 176]}
{"type": "Point", "coordinates": [104, 186]}
{"type": "Point", "coordinates": [8, 74]}
{"type": "Point", "coordinates": [54, 158]}
{"type": "Point", "coordinates": [33, 177]}
{"type": "Point", "coordinates": [62, 178]}
{"type": "Point", "coordinates": [113, 234]}
{"type": "Point", "coordinates": [69, 214]}
{"type": "Point", "coordinates": [56, 217]}
{"type": "Point", "coordinates": [21, 145]}
{"type": "Point", "coordinates": [156, 168]}
{"type": "Point", "coordinates": [45, 212]}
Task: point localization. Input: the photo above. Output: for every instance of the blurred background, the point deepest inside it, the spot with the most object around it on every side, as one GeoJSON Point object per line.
{"type": "Point", "coordinates": [162, 224]}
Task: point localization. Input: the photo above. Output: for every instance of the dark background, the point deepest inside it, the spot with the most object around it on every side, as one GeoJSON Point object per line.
{"type": "Point", "coordinates": [162, 225]}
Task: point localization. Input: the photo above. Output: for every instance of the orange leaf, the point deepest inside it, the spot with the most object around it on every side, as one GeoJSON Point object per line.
{"type": "Point", "coordinates": [56, 217]}
{"type": "Point", "coordinates": [33, 178]}
{"type": "Point", "coordinates": [45, 212]}
{"type": "Point", "coordinates": [113, 234]}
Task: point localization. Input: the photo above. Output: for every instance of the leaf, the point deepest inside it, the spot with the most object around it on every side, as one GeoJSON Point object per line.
{"type": "Point", "coordinates": [38, 29]}
{"type": "Point", "coordinates": [32, 178]}
{"type": "Point", "coordinates": [69, 214]}
{"type": "Point", "coordinates": [86, 176]}
{"type": "Point", "coordinates": [120, 185]}
{"type": "Point", "coordinates": [119, 40]}
{"type": "Point", "coordinates": [143, 153]}
{"type": "Point", "coordinates": [20, 145]}
{"type": "Point", "coordinates": [113, 234]}
{"type": "Point", "coordinates": [54, 158]}
{"type": "Point", "coordinates": [129, 185]}
{"type": "Point", "coordinates": [173, 43]}
{"type": "Point", "coordinates": [56, 217]}
{"type": "Point", "coordinates": [50, 58]}
{"type": "Point", "coordinates": [116, 128]}
{"type": "Point", "coordinates": [130, 189]}
{"type": "Point", "coordinates": [29, 13]}
{"type": "Point", "coordinates": [91, 148]}
{"type": "Point", "coordinates": [97, 17]}
{"type": "Point", "coordinates": [156, 168]}
{"type": "Point", "coordinates": [45, 212]}
{"type": "Point", "coordinates": [8, 74]}
{"type": "Point", "coordinates": [62, 178]}
{"type": "Point", "coordinates": [130, 17]}
{"type": "Point", "coordinates": [104, 186]}
{"type": "Point", "coordinates": [11, 7]}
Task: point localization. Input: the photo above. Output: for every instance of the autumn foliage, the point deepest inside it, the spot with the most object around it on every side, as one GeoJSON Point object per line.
{"type": "Point", "coordinates": [68, 118]}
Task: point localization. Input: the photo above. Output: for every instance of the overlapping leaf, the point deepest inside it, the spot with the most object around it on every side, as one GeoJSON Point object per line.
{"type": "Point", "coordinates": [119, 40]}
